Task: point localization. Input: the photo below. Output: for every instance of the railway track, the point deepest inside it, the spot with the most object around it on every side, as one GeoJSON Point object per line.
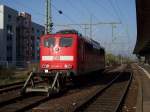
{"type": "Point", "coordinates": [26, 103]}
{"type": "Point", "coordinates": [110, 98]}
{"type": "Point", "coordinates": [7, 89]}
{"type": "Point", "coordinates": [6, 98]}
{"type": "Point", "coordinates": [14, 86]}
{"type": "Point", "coordinates": [11, 101]}
{"type": "Point", "coordinates": [21, 104]}
{"type": "Point", "coordinates": [105, 97]}
{"type": "Point", "coordinates": [10, 85]}
{"type": "Point", "coordinates": [18, 85]}
{"type": "Point", "coordinates": [11, 93]}
{"type": "Point", "coordinates": [11, 88]}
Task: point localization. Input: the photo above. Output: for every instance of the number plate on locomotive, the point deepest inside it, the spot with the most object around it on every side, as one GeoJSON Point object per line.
{"type": "Point", "coordinates": [56, 58]}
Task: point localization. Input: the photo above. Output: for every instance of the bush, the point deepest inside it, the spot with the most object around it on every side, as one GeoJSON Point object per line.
{"type": "Point", "coordinates": [116, 60]}
{"type": "Point", "coordinates": [6, 73]}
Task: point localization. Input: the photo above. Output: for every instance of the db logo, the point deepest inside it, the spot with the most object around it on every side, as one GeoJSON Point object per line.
{"type": "Point", "coordinates": [56, 49]}
{"type": "Point", "coordinates": [56, 58]}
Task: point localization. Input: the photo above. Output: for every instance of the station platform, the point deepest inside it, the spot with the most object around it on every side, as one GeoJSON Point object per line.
{"type": "Point", "coordinates": [142, 74]}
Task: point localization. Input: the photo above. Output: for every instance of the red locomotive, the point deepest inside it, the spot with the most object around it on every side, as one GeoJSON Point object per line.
{"type": "Point", "coordinates": [69, 51]}
{"type": "Point", "coordinates": [67, 54]}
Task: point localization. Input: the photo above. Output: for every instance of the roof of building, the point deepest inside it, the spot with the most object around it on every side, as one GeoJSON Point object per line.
{"type": "Point", "coordinates": [143, 25]}
{"type": "Point", "coordinates": [9, 8]}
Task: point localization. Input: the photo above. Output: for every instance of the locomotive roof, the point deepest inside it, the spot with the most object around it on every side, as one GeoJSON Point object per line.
{"type": "Point", "coordinates": [89, 40]}
{"type": "Point", "coordinates": [72, 31]}
{"type": "Point", "coordinates": [94, 43]}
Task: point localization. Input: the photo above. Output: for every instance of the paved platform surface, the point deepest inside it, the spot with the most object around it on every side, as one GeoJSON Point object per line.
{"type": "Point", "coordinates": [144, 77]}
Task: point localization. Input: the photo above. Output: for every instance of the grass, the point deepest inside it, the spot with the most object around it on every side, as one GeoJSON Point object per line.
{"type": "Point", "coordinates": [12, 75]}
{"type": "Point", "coordinates": [8, 76]}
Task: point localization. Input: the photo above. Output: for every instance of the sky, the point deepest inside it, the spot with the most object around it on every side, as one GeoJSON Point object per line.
{"type": "Point", "coordinates": [123, 12]}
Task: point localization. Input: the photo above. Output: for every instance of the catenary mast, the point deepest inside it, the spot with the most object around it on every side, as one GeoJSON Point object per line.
{"type": "Point", "coordinates": [49, 24]}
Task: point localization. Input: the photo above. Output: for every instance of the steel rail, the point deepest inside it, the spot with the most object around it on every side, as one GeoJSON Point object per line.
{"type": "Point", "coordinates": [13, 84]}
{"type": "Point", "coordinates": [102, 91]}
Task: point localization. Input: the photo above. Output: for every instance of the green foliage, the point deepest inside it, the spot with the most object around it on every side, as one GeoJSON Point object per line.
{"type": "Point", "coordinates": [115, 60]}
{"type": "Point", "coordinates": [9, 75]}
{"type": "Point", "coordinates": [6, 73]}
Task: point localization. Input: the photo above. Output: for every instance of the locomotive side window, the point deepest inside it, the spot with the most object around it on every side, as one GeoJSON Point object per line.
{"type": "Point", "coordinates": [65, 42]}
{"type": "Point", "coordinates": [49, 42]}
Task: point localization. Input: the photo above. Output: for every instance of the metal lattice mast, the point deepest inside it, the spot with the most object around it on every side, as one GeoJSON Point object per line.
{"type": "Point", "coordinates": [49, 24]}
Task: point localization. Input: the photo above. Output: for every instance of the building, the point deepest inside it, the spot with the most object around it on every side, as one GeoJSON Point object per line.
{"type": "Point", "coordinates": [19, 37]}
{"type": "Point", "coordinates": [23, 38]}
{"type": "Point", "coordinates": [8, 22]}
{"type": "Point", "coordinates": [37, 31]}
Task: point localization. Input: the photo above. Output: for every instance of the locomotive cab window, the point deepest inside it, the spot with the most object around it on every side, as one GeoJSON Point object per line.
{"type": "Point", "coordinates": [49, 42]}
{"type": "Point", "coordinates": [66, 42]}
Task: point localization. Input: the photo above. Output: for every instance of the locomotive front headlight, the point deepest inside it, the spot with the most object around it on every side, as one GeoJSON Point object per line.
{"type": "Point", "coordinates": [68, 66]}
{"type": "Point", "coordinates": [46, 71]}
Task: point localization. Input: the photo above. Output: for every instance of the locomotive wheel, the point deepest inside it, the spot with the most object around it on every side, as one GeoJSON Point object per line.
{"type": "Point", "coordinates": [59, 85]}
{"type": "Point", "coordinates": [56, 89]}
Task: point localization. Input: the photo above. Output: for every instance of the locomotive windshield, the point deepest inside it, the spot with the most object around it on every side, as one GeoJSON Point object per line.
{"type": "Point", "coordinates": [49, 42]}
{"type": "Point", "coordinates": [66, 42]}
